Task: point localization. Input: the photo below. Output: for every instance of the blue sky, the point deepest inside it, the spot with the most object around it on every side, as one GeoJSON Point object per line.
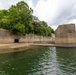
{"type": "Point", "coordinates": [54, 12]}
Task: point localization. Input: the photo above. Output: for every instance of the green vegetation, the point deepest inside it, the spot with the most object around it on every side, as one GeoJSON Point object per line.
{"type": "Point", "coordinates": [18, 19]}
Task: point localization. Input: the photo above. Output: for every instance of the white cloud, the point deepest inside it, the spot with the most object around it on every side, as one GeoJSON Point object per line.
{"type": "Point", "coordinates": [30, 3]}
{"type": "Point", "coordinates": [72, 21]}
{"type": "Point", "coordinates": [54, 12]}
{"type": "Point", "coordinates": [5, 4]}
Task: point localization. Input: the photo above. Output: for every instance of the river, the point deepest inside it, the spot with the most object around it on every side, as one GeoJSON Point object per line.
{"type": "Point", "coordinates": [39, 61]}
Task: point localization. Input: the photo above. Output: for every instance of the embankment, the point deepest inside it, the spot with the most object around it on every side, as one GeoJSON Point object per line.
{"type": "Point", "coordinates": [16, 47]}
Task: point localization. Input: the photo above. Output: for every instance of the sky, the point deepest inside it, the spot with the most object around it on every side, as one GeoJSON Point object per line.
{"type": "Point", "coordinates": [54, 12]}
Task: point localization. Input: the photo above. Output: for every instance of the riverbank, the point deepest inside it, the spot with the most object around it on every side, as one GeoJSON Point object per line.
{"type": "Point", "coordinates": [15, 47]}
{"type": "Point", "coordinates": [24, 45]}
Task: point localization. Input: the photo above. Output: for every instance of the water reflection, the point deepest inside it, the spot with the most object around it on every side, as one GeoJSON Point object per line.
{"type": "Point", "coordinates": [39, 61]}
{"type": "Point", "coordinates": [67, 60]}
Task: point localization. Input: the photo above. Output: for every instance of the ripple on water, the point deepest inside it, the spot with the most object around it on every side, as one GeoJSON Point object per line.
{"type": "Point", "coordinates": [40, 61]}
{"type": "Point", "coordinates": [3, 73]}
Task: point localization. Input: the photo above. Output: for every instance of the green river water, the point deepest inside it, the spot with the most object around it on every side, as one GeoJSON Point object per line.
{"type": "Point", "coordinates": [39, 61]}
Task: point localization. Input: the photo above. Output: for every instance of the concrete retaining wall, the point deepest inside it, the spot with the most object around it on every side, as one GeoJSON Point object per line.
{"type": "Point", "coordinates": [65, 34]}
{"type": "Point", "coordinates": [67, 38]}
{"type": "Point", "coordinates": [35, 38]}
{"type": "Point", "coordinates": [7, 37]}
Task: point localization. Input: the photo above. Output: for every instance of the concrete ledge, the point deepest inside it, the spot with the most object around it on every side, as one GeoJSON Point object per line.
{"type": "Point", "coordinates": [14, 45]}
{"type": "Point", "coordinates": [65, 45]}
{"type": "Point", "coordinates": [24, 45]}
{"type": "Point", "coordinates": [54, 45]}
{"type": "Point", "coordinates": [6, 48]}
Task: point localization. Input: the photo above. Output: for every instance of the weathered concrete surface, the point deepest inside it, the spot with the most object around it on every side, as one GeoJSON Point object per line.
{"type": "Point", "coordinates": [42, 44]}
{"type": "Point", "coordinates": [65, 34]}
{"type": "Point", "coordinates": [53, 45]}
{"type": "Point", "coordinates": [24, 45]}
{"type": "Point", "coordinates": [13, 46]}
{"type": "Point", "coordinates": [8, 48]}
{"type": "Point", "coordinates": [8, 38]}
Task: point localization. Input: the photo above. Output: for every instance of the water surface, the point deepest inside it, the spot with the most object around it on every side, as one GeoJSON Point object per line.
{"type": "Point", "coordinates": [39, 61]}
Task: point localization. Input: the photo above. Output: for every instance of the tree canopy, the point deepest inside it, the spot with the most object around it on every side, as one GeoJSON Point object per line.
{"type": "Point", "coordinates": [18, 19]}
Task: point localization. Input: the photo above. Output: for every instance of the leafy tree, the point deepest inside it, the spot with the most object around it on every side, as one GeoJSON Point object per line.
{"type": "Point", "coordinates": [42, 28]}
{"type": "Point", "coordinates": [18, 19]}
{"type": "Point", "coordinates": [3, 13]}
{"type": "Point", "coordinates": [18, 29]}
{"type": "Point", "coordinates": [19, 14]}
